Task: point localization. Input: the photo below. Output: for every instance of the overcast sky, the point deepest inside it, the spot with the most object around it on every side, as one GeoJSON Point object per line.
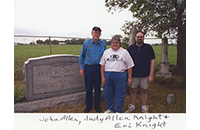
{"type": "Point", "coordinates": [66, 18]}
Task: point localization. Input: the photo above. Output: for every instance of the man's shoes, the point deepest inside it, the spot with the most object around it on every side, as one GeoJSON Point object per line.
{"type": "Point", "coordinates": [87, 110]}
{"type": "Point", "coordinates": [130, 108]}
{"type": "Point", "coordinates": [98, 110]}
{"type": "Point", "coordinates": [145, 109]}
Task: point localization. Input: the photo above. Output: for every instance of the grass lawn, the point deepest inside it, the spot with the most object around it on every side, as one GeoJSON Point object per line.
{"type": "Point", "coordinates": [157, 101]}
{"type": "Point", "coordinates": [157, 93]}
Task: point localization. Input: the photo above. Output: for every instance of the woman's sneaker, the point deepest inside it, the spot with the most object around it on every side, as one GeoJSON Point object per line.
{"type": "Point", "coordinates": [145, 109]}
{"type": "Point", "coordinates": [130, 108]}
{"type": "Point", "coordinates": [108, 111]}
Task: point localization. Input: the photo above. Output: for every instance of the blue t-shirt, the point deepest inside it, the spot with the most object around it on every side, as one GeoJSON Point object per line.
{"type": "Point", "coordinates": [142, 57]}
{"type": "Point", "coordinates": [91, 52]}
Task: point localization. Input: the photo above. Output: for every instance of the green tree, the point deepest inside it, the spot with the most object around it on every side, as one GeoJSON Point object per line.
{"type": "Point", "coordinates": [55, 42]}
{"type": "Point", "coordinates": [67, 41]}
{"type": "Point", "coordinates": [40, 42]}
{"type": "Point", "coordinates": [80, 41]}
{"type": "Point", "coordinates": [165, 18]}
{"type": "Point", "coordinates": [46, 42]}
{"type": "Point", "coordinates": [73, 40]}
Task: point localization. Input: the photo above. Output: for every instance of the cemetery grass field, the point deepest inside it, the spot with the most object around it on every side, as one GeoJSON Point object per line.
{"type": "Point", "coordinates": [157, 91]}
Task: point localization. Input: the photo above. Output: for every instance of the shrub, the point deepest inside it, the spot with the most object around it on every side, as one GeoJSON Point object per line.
{"type": "Point", "coordinates": [18, 75]}
{"type": "Point", "coordinates": [179, 84]}
{"type": "Point", "coordinates": [18, 93]}
{"type": "Point", "coordinates": [159, 80]}
{"type": "Point", "coordinates": [124, 45]}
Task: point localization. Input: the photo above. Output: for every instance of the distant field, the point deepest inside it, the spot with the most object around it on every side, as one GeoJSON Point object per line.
{"type": "Point", "coordinates": [22, 53]}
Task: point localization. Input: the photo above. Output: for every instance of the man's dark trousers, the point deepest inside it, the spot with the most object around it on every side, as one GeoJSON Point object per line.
{"type": "Point", "coordinates": [93, 79]}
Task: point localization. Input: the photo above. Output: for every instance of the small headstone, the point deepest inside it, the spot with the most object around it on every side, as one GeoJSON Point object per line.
{"type": "Point", "coordinates": [170, 98]}
{"type": "Point", "coordinates": [51, 76]}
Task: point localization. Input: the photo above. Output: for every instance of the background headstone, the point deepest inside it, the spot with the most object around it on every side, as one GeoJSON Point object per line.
{"type": "Point", "coordinates": [51, 76]}
{"type": "Point", "coordinates": [164, 64]}
{"type": "Point", "coordinates": [132, 35]}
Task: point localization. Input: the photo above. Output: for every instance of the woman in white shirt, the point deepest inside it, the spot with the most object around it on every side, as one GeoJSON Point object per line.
{"type": "Point", "coordinates": [114, 65]}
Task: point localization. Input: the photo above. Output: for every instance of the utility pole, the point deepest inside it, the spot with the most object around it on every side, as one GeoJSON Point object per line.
{"type": "Point", "coordinates": [50, 45]}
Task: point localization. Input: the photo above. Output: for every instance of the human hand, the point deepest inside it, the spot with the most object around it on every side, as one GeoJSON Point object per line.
{"type": "Point", "coordinates": [150, 79]}
{"type": "Point", "coordinates": [103, 81]}
{"type": "Point", "coordinates": [81, 72]}
{"type": "Point", "coordinates": [129, 81]}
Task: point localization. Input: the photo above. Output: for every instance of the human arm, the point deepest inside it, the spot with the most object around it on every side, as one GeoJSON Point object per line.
{"type": "Point", "coordinates": [103, 74]}
{"type": "Point", "coordinates": [129, 76]}
{"type": "Point", "coordinates": [82, 58]}
{"type": "Point", "coordinates": [151, 71]}
{"type": "Point", "coordinates": [129, 64]}
{"type": "Point", "coordinates": [103, 63]}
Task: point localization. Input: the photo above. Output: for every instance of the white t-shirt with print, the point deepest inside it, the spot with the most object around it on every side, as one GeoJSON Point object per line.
{"type": "Point", "coordinates": [116, 61]}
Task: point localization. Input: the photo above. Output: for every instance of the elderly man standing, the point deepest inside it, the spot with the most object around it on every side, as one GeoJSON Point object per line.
{"type": "Point", "coordinates": [144, 59]}
{"type": "Point", "coordinates": [89, 59]}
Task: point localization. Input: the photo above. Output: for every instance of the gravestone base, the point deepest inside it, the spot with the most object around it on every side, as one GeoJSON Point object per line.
{"type": "Point", "coordinates": [166, 75]}
{"type": "Point", "coordinates": [58, 101]}
{"type": "Point", "coordinates": [164, 70]}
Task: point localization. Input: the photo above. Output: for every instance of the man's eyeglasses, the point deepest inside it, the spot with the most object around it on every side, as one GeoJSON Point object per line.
{"type": "Point", "coordinates": [139, 36]}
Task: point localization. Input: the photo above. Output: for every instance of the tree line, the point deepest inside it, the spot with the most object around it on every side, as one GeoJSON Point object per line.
{"type": "Point", "coordinates": [72, 41]}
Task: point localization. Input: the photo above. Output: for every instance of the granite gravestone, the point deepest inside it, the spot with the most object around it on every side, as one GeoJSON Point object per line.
{"type": "Point", "coordinates": [132, 35]}
{"type": "Point", "coordinates": [51, 76]}
{"type": "Point", "coordinates": [164, 64]}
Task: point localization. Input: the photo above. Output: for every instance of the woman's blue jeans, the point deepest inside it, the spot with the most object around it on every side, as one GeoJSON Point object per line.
{"type": "Point", "coordinates": [115, 90]}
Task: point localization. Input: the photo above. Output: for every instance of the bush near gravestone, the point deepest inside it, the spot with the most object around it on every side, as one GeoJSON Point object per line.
{"type": "Point", "coordinates": [175, 70]}
{"type": "Point", "coordinates": [179, 84]}
{"type": "Point", "coordinates": [18, 93]}
{"type": "Point", "coordinates": [172, 83]}
{"type": "Point", "coordinates": [18, 75]}
{"type": "Point", "coordinates": [168, 82]}
{"type": "Point", "coordinates": [159, 80]}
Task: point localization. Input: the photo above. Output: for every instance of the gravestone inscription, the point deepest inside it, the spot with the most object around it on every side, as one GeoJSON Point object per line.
{"type": "Point", "coordinates": [50, 76]}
